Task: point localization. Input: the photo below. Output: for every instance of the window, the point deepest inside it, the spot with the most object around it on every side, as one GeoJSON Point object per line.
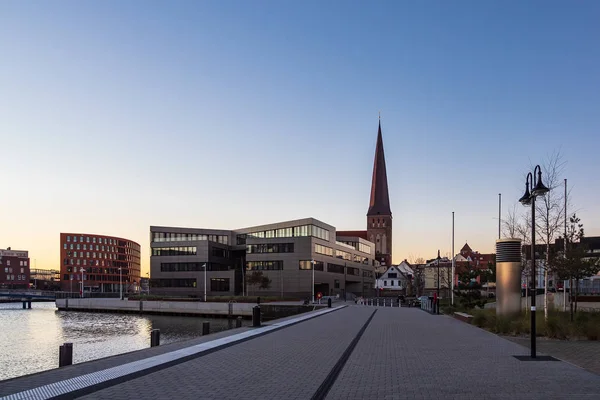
{"type": "Point", "coordinates": [343, 255]}
{"type": "Point", "coordinates": [264, 265]}
{"type": "Point", "coordinates": [8, 263]}
{"type": "Point", "coordinates": [392, 283]}
{"type": "Point", "coordinates": [68, 238]}
{"type": "Point", "coordinates": [87, 239]}
{"type": "Point", "coordinates": [353, 271]}
{"type": "Point", "coordinates": [78, 246]}
{"type": "Point", "coordinates": [335, 268]}
{"type": "Point", "coordinates": [307, 264]}
{"type": "Point", "coordinates": [336, 284]}
{"type": "Point", "coordinates": [187, 283]}
{"type": "Point", "coordinates": [217, 252]}
{"type": "Point", "coordinates": [22, 270]}
{"type": "Point", "coordinates": [65, 246]}
{"type": "Point", "coordinates": [197, 266]}
{"type": "Point", "coordinates": [320, 249]}
{"type": "Point", "coordinates": [75, 239]}
{"type": "Point", "coordinates": [384, 283]}
{"type": "Point", "coordinates": [392, 275]}
{"type": "Point", "coordinates": [219, 284]}
{"type": "Point", "coordinates": [270, 248]}
{"type": "Point", "coordinates": [174, 251]}
{"type": "Point", "coordinates": [94, 240]}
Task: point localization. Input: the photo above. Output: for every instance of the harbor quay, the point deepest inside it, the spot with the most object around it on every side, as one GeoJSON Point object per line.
{"type": "Point", "coordinates": [343, 352]}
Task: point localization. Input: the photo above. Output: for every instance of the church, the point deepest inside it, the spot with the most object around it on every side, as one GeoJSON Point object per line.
{"type": "Point", "coordinates": [379, 213]}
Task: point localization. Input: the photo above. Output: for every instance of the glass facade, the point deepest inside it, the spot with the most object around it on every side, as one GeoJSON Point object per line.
{"type": "Point", "coordinates": [270, 248]}
{"type": "Point", "coordinates": [164, 283]}
{"type": "Point", "coordinates": [182, 237]}
{"type": "Point", "coordinates": [307, 264]}
{"type": "Point", "coordinates": [353, 271]}
{"type": "Point", "coordinates": [219, 284]}
{"type": "Point", "coordinates": [264, 265]}
{"type": "Point", "coordinates": [363, 248]}
{"type": "Point", "coordinates": [320, 249]}
{"type": "Point", "coordinates": [296, 231]}
{"type": "Point", "coordinates": [335, 268]}
{"type": "Point", "coordinates": [343, 255]}
{"type": "Point", "coordinates": [195, 266]}
{"type": "Point", "coordinates": [174, 251]}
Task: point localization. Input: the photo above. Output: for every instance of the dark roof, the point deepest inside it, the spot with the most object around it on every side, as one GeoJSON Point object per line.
{"type": "Point", "coordinates": [379, 203]}
{"type": "Point", "coordinates": [360, 234]}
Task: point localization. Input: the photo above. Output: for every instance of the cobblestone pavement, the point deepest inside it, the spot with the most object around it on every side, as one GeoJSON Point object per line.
{"type": "Point", "coordinates": [583, 353]}
{"type": "Point", "coordinates": [287, 364]}
{"type": "Point", "coordinates": [409, 354]}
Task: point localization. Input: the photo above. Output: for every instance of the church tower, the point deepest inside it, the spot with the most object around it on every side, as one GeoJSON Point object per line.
{"type": "Point", "coordinates": [379, 215]}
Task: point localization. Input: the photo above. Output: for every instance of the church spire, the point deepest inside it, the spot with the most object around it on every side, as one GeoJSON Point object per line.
{"type": "Point", "coordinates": [380, 199]}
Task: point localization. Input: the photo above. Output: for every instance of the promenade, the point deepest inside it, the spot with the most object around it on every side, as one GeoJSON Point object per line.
{"type": "Point", "coordinates": [354, 352]}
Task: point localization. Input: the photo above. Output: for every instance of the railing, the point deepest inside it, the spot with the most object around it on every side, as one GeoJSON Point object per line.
{"type": "Point", "coordinates": [93, 295]}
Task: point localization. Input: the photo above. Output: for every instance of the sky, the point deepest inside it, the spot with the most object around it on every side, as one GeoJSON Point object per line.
{"type": "Point", "coordinates": [119, 115]}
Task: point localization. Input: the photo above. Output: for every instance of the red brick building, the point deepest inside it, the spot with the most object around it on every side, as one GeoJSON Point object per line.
{"type": "Point", "coordinates": [14, 269]}
{"type": "Point", "coordinates": [102, 261]}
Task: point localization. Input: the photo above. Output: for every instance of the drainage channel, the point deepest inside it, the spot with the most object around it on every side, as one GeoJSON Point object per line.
{"type": "Point", "coordinates": [327, 384]}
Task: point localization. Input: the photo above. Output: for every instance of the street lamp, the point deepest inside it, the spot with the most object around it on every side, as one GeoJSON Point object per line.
{"type": "Point", "coordinates": [82, 271]}
{"type": "Point", "coordinates": [313, 262]}
{"type": "Point", "coordinates": [437, 305]}
{"type": "Point", "coordinates": [121, 283]}
{"type": "Point", "coordinates": [533, 188]}
{"type": "Point", "coordinates": [204, 266]}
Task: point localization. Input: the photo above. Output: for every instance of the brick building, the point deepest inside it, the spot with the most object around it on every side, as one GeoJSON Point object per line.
{"type": "Point", "coordinates": [14, 269]}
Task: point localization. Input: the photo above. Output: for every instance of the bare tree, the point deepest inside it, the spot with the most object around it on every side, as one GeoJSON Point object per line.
{"type": "Point", "coordinates": [417, 284]}
{"type": "Point", "coordinates": [550, 211]}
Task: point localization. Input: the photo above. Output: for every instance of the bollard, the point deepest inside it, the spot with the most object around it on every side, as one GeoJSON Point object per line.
{"type": "Point", "coordinates": [238, 322]}
{"type": "Point", "coordinates": [24, 306]}
{"type": "Point", "coordinates": [205, 328]}
{"type": "Point", "coordinates": [329, 302]}
{"type": "Point", "coordinates": [29, 304]}
{"type": "Point", "coordinates": [256, 316]}
{"type": "Point", "coordinates": [154, 337]}
{"type": "Point", "coordinates": [65, 355]}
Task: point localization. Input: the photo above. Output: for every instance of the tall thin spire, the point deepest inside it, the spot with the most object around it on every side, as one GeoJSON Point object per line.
{"type": "Point", "coordinates": [379, 203]}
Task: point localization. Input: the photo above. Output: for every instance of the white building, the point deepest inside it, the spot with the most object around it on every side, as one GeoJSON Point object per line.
{"type": "Point", "coordinates": [396, 277]}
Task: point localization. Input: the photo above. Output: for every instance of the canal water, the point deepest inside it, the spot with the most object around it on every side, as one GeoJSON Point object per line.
{"type": "Point", "coordinates": [29, 339]}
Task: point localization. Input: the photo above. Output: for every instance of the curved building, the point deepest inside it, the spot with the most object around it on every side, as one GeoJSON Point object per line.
{"type": "Point", "coordinates": [103, 263]}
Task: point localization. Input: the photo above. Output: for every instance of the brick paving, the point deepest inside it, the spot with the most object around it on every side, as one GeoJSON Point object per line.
{"type": "Point", "coordinates": [404, 353]}
{"type": "Point", "coordinates": [409, 354]}
{"type": "Point", "coordinates": [287, 364]}
{"type": "Point", "coordinates": [583, 353]}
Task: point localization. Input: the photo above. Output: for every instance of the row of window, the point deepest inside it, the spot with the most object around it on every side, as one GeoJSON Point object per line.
{"type": "Point", "coordinates": [218, 252]}
{"type": "Point", "coordinates": [264, 265]}
{"type": "Point", "coordinates": [10, 270]}
{"type": "Point", "coordinates": [174, 251]}
{"type": "Point", "coordinates": [99, 263]}
{"type": "Point", "coordinates": [307, 264]}
{"type": "Point", "coordinates": [99, 278]}
{"type": "Point", "coordinates": [16, 278]}
{"type": "Point", "coordinates": [114, 271]}
{"type": "Point", "coordinates": [195, 266]}
{"type": "Point", "coordinates": [320, 249]}
{"type": "Point", "coordinates": [359, 246]}
{"type": "Point", "coordinates": [296, 231]}
{"type": "Point", "coordinates": [87, 239]}
{"type": "Point", "coordinates": [181, 237]}
{"type": "Point", "coordinates": [335, 268]}
{"type": "Point", "coordinates": [106, 256]}
{"type": "Point", "coordinates": [98, 247]}
{"type": "Point", "coordinates": [270, 248]}
{"type": "Point", "coordinates": [343, 255]}
{"type": "Point", "coordinates": [216, 284]}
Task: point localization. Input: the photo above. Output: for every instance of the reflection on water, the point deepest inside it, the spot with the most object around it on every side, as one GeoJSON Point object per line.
{"type": "Point", "coordinates": [29, 339]}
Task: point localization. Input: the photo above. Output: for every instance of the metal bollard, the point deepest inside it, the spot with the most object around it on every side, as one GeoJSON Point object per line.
{"type": "Point", "coordinates": [256, 316]}
{"type": "Point", "coordinates": [29, 304]}
{"type": "Point", "coordinates": [65, 355]}
{"type": "Point", "coordinates": [24, 306]}
{"type": "Point", "coordinates": [205, 328]}
{"type": "Point", "coordinates": [154, 337]}
{"type": "Point", "coordinates": [238, 322]}
{"type": "Point", "coordinates": [329, 302]}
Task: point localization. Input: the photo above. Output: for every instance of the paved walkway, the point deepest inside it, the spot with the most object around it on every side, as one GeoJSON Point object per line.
{"type": "Point", "coordinates": [583, 353]}
{"type": "Point", "coordinates": [404, 353]}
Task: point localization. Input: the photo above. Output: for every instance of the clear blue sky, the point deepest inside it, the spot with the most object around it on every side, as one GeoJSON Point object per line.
{"type": "Point", "coordinates": [118, 115]}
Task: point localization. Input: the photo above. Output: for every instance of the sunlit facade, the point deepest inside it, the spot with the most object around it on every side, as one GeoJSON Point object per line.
{"type": "Point", "coordinates": [284, 252]}
{"type": "Point", "coordinates": [103, 263]}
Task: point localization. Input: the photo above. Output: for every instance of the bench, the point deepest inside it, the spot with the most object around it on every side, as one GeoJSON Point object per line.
{"type": "Point", "coordinates": [463, 317]}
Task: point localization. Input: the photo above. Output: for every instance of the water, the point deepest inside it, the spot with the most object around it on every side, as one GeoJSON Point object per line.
{"type": "Point", "coordinates": [29, 339]}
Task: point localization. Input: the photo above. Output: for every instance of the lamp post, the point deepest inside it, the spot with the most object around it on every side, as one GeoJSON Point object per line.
{"type": "Point", "coordinates": [121, 283]}
{"type": "Point", "coordinates": [82, 287]}
{"type": "Point", "coordinates": [533, 188]}
{"type": "Point", "coordinates": [204, 266]}
{"type": "Point", "coordinates": [312, 291]}
{"type": "Point", "coordinates": [453, 258]}
{"type": "Point", "coordinates": [437, 305]}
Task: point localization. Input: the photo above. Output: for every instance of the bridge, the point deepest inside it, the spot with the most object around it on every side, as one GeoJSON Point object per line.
{"type": "Point", "coordinates": [27, 296]}
{"type": "Point", "coordinates": [345, 352]}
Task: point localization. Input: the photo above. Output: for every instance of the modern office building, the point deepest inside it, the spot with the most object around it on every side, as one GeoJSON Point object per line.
{"type": "Point", "coordinates": [103, 263]}
{"type": "Point", "coordinates": [285, 252]}
{"type": "Point", "coordinates": [44, 279]}
{"type": "Point", "coordinates": [14, 269]}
